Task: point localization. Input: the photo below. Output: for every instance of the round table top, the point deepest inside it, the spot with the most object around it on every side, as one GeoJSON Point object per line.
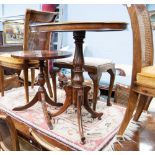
{"type": "Point", "coordinates": [79, 26]}
{"type": "Point", "coordinates": [41, 54]}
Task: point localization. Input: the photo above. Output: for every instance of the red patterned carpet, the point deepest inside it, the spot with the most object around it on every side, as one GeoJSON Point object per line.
{"type": "Point", "coordinates": [97, 132]}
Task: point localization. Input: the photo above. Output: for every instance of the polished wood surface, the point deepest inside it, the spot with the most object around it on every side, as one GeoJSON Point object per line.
{"type": "Point", "coordinates": [41, 54]}
{"type": "Point", "coordinates": [79, 26]}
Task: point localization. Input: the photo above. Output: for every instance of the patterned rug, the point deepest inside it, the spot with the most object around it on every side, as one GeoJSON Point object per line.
{"type": "Point", "coordinates": [98, 133]}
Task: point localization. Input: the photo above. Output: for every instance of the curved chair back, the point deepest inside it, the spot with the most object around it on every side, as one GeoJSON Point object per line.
{"type": "Point", "coordinates": [142, 38]}
{"type": "Point", "coordinates": [36, 41]}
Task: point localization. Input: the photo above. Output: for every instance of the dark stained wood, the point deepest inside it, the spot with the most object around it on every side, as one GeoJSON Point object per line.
{"type": "Point", "coordinates": [41, 54]}
{"type": "Point", "coordinates": [79, 26]}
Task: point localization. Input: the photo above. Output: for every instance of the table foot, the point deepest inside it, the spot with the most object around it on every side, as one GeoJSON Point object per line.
{"type": "Point", "coordinates": [67, 103]}
{"type": "Point", "coordinates": [28, 105]}
{"type": "Point", "coordinates": [93, 113]}
{"type": "Point", "coordinates": [47, 117]}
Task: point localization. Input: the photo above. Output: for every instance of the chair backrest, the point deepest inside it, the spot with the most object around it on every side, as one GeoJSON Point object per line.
{"type": "Point", "coordinates": [8, 134]}
{"type": "Point", "coordinates": [142, 38]}
{"type": "Point", "coordinates": [36, 41]}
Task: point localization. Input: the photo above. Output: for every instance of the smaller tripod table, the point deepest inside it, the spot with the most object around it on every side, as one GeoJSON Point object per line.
{"type": "Point", "coordinates": [41, 95]}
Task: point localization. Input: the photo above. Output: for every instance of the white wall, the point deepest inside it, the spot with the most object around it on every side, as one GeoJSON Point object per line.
{"type": "Point", "coordinates": [116, 46]}
{"type": "Point", "coordinates": [19, 9]}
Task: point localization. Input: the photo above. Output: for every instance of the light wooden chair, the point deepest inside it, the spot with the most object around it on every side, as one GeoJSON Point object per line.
{"type": "Point", "coordinates": [143, 73]}
{"type": "Point", "coordinates": [32, 41]}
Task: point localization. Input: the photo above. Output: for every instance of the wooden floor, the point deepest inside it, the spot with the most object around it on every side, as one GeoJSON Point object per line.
{"type": "Point", "coordinates": [144, 137]}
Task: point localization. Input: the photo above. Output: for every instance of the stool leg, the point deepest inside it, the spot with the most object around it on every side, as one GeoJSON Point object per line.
{"type": "Point", "coordinates": [2, 80]}
{"type": "Point", "coordinates": [112, 79]}
{"type": "Point", "coordinates": [95, 78]}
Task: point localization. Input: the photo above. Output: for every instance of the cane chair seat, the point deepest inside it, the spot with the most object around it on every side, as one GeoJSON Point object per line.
{"type": "Point", "coordinates": [147, 76]}
{"type": "Point", "coordinates": [6, 58]}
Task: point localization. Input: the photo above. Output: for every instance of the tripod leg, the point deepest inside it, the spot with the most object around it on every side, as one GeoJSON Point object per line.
{"type": "Point", "coordinates": [66, 104]}
{"type": "Point", "coordinates": [30, 104]}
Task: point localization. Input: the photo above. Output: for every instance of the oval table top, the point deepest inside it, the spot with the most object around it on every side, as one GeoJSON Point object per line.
{"type": "Point", "coordinates": [78, 26]}
{"type": "Point", "coordinates": [41, 54]}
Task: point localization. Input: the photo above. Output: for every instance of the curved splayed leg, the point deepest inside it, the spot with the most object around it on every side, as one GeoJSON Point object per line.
{"type": "Point", "coordinates": [87, 106]}
{"type": "Point", "coordinates": [67, 103]}
{"type": "Point", "coordinates": [31, 103]}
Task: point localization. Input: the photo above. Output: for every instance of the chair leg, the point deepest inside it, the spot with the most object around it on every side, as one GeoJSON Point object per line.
{"type": "Point", "coordinates": [112, 79]}
{"type": "Point", "coordinates": [148, 103]}
{"type": "Point", "coordinates": [53, 76]}
{"type": "Point", "coordinates": [26, 84]}
{"type": "Point", "coordinates": [32, 77]}
{"type": "Point", "coordinates": [2, 80]}
{"type": "Point", "coordinates": [48, 82]}
{"type": "Point", "coordinates": [129, 112]}
{"type": "Point", "coordinates": [95, 78]}
{"type": "Point", "coordinates": [142, 102]}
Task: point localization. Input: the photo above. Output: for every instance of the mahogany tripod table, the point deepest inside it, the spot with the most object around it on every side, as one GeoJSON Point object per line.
{"type": "Point", "coordinates": [77, 90]}
{"type": "Point", "coordinates": [41, 95]}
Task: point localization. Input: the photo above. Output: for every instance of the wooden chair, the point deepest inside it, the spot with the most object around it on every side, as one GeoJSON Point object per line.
{"type": "Point", "coordinates": [8, 135]}
{"type": "Point", "coordinates": [32, 41]}
{"type": "Point", "coordinates": [143, 73]}
{"type": "Point", "coordinates": [95, 67]}
{"type": "Point", "coordinates": [11, 141]}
